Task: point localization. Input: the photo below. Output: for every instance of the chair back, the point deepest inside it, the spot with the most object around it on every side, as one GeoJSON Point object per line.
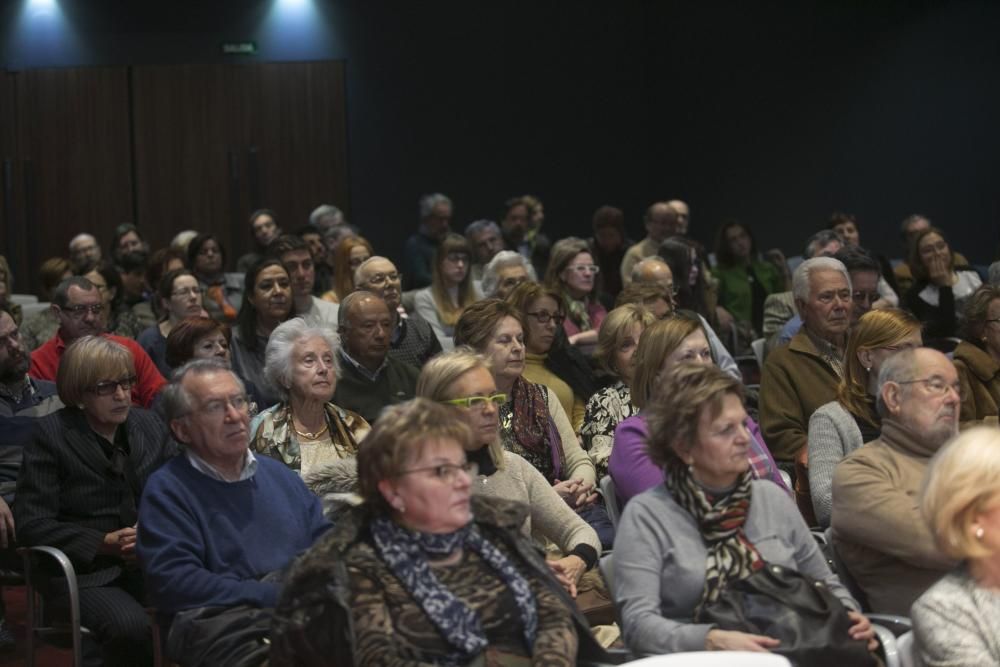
{"type": "Point", "coordinates": [39, 582]}
{"type": "Point", "coordinates": [907, 650]}
{"type": "Point", "coordinates": [610, 494]}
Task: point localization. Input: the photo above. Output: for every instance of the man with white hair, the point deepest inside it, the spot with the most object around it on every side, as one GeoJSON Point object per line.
{"type": "Point", "coordinates": [799, 378]}
{"type": "Point", "coordinates": [419, 249]}
{"type": "Point", "coordinates": [486, 241]}
{"type": "Point", "coordinates": [504, 272]}
{"type": "Point", "coordinates": [878, 530]}
{"type": "Point", "coordinates": [84, 253]}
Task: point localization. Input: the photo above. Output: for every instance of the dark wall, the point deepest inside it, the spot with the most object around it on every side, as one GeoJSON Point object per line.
{"type": "Point", "coordinates": [776, 114]}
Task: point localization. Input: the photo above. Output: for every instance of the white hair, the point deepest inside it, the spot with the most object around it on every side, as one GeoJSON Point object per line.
{"type": "Point", "coordinates": [800, 279]}
{"type": "Point", "coordinates": [360, 271]}
{"type": "Point", "coordinates": [428, 202]}
{"type": "Point", "coordinates": [281, 347]}
{"type": "Point", "coordinates": [81, 237]}
{"type": "Point", "coordinates": [316, 218]}
{"type": "Point", "coordinates": [502, 260]}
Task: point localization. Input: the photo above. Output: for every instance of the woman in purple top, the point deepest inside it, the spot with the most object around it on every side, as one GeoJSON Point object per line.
{"type": "Point", "coordinates": [662, 346]}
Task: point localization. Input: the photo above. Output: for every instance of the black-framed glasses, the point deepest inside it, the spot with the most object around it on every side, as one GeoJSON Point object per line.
{"type": "Point", "coordinates": [79, 312]}
{"type": "Point", "coordinates": [457, 257]}
{"type": "Point", "coordinates": [446, 472]}
{"type": "Point", "coordinates": [936, 386]}
{"type": "Point", "coordinates": [478, 402]}
{"type": "Point", "coordinates": [195, 291]}
{"type": "Point", "coordinates": [109, 387]}
{"type": "Point", "coordinates": [544, 316]}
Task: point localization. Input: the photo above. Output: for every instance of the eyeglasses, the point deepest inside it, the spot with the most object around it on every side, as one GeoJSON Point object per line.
{"type": "Point", "coordinates": [478, 402]}
{"type": "Point", "coordinates": [936, 386]}
{"type": "Point", "coordinates": [79, 312]}
{"type": "Point", "coordinates": [585, 268]}
{"type": "Point", "coordinates": [380, 279]}
{"type": "Point", "coordinates": [543, 317]}
{"type": "Point", "coordinates": [446, 472]}
{"type": "Point", "coordinates": [457, 257]}
{"type": "Point", "coordinates": [217, 408]}
{"type": "Point", "coordinates": [195, 291]}
{"type": "Point", "coordinates": [109, 387]}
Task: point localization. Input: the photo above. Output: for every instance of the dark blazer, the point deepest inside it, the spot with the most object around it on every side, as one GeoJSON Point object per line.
{"type": "Point", "coordinates": [67, 495]}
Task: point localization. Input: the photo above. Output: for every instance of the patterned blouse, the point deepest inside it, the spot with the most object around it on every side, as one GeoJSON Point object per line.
{"type": "Point", "coordinates": [605, 410]}
{"type": "Point", "coordinates": [274, 436]}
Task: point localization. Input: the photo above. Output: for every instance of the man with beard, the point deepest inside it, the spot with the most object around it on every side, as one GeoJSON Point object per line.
{"type": "Point", "coordinates": [296, 256]}
{"type": "Point", "coordinates": [413, 341]}
{"type": "Point", "coordinates": [878, 529]}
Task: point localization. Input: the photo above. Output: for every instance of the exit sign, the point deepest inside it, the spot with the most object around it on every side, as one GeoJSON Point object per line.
{"type": "Point", "coordinates": [239, 48]}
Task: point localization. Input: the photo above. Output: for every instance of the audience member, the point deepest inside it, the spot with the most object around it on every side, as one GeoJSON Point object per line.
{"type": "Point", "coordinates": [877, 529]}
{"type": "Point", "coordinates": [79, 308]}
{"type": "Point", "coordinates": [41, 326]}
{"type": "Point", "coordinates": [20, 394]}
{"type": "Point", "coordinates": [463, 379]}
{"type": "Point", "coordinates": [521, 234]}
{"type": "Point", "coordinates": [846, 226]}
{"type": "Point", "coordinates": [505, 272]}
{"type": "Point", "coordinates": [180, 297]}
{"type": "Point", "coordinates": [182, 240]}
{"type": "Point", "coordinates": [160, 263]}
{"type": "Point", "coordinates": [489, 598]}
{"type": "Point", "coordinates": [131, 269]}
{"type": "Point", "coordinates": [661, 222]}
{"type": "Point", "coordinates": [317, 250]}
{"type": "Point", "coordinates": [608, 246]}
{"type": "Point", "coordinates": [745, 281]}
{"type": "Point", "coordinates": [574, 275]}
{"type": "Point", "coordinates": [844, 424]}
{"type": "Point", "coordinates": [79, 487]}
{"type": "Point", "coordinates": [223, 291]}
{"type": "Point", "coordinates": [218, 526]}
{"type": "Point", "coordinates": [267, 302]}
{"type": "Point", "coordinates": [655, 270]}
{"type": "Point", "coordinates": [707, 526]}
{"type": "Point", "coordinates": [326, 216]}
{"type": "Point", "coordinates": [349, 255]}
{"type": "Point", "coordinates": [84, 253]}
{"type": "Point", "coordinates": [450, 291]}
{"type": "Point", "coordinates": [420, 249]}
{"type": "Point", "coordinates": [611, 405]}
{"type": "Point", "coordinates": [117, 316]}
{"type": "Point", "coordinates": [651, 296]}
{"type": "Point", "coordinates": [695, 293]}
{"type": "Point", "coordinates": [486, 241]}
{"type": "Point", "coordinates": [663, 348]}
{"type": "Point", "coordinates": [305, 430]}
{"type": "Point", "coordinates": [125, 240]}
{"type": "Point", "coordinates": [295, 256]}
{"type": "Point", "coordinates": [912, 226]}
{"type": "Point", "coordinates": [977, 357]}
{"type": "Point", "coordinates": [6, 290]}
{"type": "Point", "coordinates": [265, 230]}
{"type": "Point", "coordinates": [683, 212]}
{"type": "Point", "coordinates": [413, 341]}
{"type": "Point", "coordinates": [955, 622]}
{"type": "Point", "coordinates": [940, 287]}
{"type": "Point", "coordinates": [370, 378]}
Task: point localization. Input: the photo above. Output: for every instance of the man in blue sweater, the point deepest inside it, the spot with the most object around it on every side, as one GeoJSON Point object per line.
{"type": "Point", "coordinates": [217, 525]}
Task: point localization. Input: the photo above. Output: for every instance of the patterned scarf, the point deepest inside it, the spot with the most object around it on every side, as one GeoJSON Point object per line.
{"type": "Point", "coordinates": [406, 553]}
{"type": "Point", "coordinates": [524, 425]}
{"type": "Point", "coordinates": [275, 435]}
{"type": "Point", "coordinates": [217, 294]}
{"type": "Point", "coordinates": [731, 556]}
{"type": "Point", "coordinates": [577, 311]}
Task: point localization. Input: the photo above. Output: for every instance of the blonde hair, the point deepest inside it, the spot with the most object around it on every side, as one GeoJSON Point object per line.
{"type": "Point", "coordinates": [439, 373]}
{"type": "Point", "coordinates": [614, 328]}
{"type": "Point", "coordinates": [395, 441]}
{"type": "Point", "coordinates": [87, 361]}
{"type": "Point", "coordinates": [655, 345]}
{"type": "Point", "coordinates": [448, 311]}
{"type": "Point", "coordinates": [876, 329]}
{"type": "Point", "coordinates": [962, 480]}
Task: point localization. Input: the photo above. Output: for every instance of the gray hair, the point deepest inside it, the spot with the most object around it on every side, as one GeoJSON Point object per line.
{"type": "Point", "coordinates": [81, 237]}
{"type": "Point", "coordinates": [502, 260]}
{"type": "Point", "coordinates": [800, 279]}
{"type": "Point", "coordinates": [281, 346]}
{"type": "Point", "coordinates": [643, 263]}
{"type": "Point", "coordinates": [326, 211]}
{"type": "Point", "coordinates": [347, 303]}
{"type": "Point", "coordinates": [820, 239]}
{"type": "Point", "coordinates": [182, 240]}
{"type": "Point", "coordinates": [480, 226]}
{"type": "Point", "coordinates": [428, 202]}
{"type": "Point", "coordinates": [994, 274]}
{"type": "Point", "coordinates": [175, 401]}
{"type": "Point", "coordinates": [897, 368]}
{"type": "Point", "coordinates": [60, 295]}
{"type": "Point", "coordinates": [358, 272]}
{"type": "Point", "coordinates": [909, 220]}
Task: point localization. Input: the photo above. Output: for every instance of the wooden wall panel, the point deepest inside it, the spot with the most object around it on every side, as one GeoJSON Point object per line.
{"type": "Point", "coordinates": [12, 232]}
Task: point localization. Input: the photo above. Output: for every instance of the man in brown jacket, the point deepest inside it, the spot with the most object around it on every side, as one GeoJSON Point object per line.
{"type": "Point", "coordinates": [878, 530]}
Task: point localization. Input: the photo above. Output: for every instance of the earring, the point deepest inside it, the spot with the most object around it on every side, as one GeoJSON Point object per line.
{"type": "Point", "coordinates": [979, 533]}
{"type": "Point", "coordinates": [868, 369]}
{"type": "Point", "coordinates": [399, 506]}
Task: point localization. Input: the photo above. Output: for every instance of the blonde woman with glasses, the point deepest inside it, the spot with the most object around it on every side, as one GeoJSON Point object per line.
{"type": "Point", "coordinates": [573, 273]}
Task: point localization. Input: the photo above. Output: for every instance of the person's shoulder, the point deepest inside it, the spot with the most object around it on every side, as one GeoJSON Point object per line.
{"type": "Point", "coordinates": [767, 492]}
{"type": "Point", "coordinates": [634, 424]}
{"type": "Point", "coordinates": [834, 410]}
{"type": "Point", "coordinates": [401, 367]}
{"type": "Point", "coordinates": [149, 335]}
{"type": "Point", "coordinates": [144, 418]}
{"type": "Point", "coordinates": [950, 592]}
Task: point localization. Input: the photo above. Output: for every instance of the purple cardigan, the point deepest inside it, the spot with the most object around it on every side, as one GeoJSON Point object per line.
{"type": "Point", "coordinates": [634, 472]}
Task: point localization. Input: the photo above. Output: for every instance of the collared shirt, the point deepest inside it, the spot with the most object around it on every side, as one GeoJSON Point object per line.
{"type": "Point", "coordinates": [361, 369]}
{"type": "Point", "coordinates": [829, 352]}
{"type": "Point", "coordinates": [207, 469]}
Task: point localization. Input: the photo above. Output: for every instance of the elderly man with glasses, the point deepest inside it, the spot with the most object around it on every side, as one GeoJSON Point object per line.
{"type": "Point", "coordinates": [878, 529]}
{"type": "Point", "coordinates": [218, 526]}
{"type": "Point", "coordinates": [78, 306]}
{"type": "Point", "coordinates": [412, 341]}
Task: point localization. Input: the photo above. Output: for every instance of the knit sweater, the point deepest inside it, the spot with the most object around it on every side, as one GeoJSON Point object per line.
{"type": "Point", "coordinates": [574, 406]}
{"type": "Point", "coordinates": [957, 623]}
{"type": "Point", "coordinates": [203, 542]}
{"type": "Point", "coordinates": [396, 382]}
{"type": "Point", "coordinates": [833, 434]}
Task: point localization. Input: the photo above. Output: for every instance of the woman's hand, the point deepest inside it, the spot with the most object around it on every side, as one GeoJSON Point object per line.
{"type": "Point", "coordinates": [568, 571]}
{"type": "Point", "coordinates": [938, 271]}
{"type": "Point", "coordinates": [120, 543]}
{"type": "Point", "coordinates": [862, 629]}
{"type": "Point", "coordinates": [728, 640]}
{"type": "Point", "coordinates": [576, 493]}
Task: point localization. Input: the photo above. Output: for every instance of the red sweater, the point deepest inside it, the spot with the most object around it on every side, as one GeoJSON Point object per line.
{"type": "Point", "coordinates": [45, 365]}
